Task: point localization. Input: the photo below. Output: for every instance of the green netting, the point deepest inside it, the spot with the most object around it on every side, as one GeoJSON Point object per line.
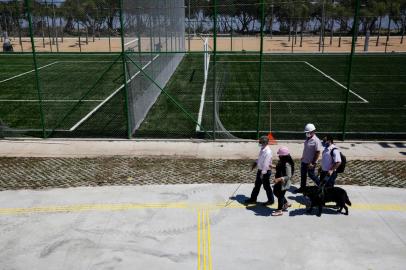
{"type": "Point", "coordinates": [111, 68]}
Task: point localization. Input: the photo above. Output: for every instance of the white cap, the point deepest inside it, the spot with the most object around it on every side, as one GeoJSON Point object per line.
{"type": "Point", "coordinates": [309, 128]}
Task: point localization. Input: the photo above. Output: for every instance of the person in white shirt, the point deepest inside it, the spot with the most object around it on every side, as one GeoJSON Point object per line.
{"type": "Point", "coordinates": [263, 163]}
{"type": "Point", "coordinates": [7, 46]}
{"type": "Point", "coordinates": [330, 161]}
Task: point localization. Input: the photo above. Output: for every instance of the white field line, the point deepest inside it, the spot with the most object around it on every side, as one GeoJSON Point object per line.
{"type": "Point", "coordinates": [255, 61]}
{"type": "Point", "coordinates": [202, 98]}
{"type": "Point", "coordinates": [58, 54]}
{"type": "Point", "coordinates": [328, 77]}
{"type": "Point", "coordinates": [301, 132]}
{"type": "Point", "coordinates": [130, 42]}
{"type": "Point", "coordinates": [287, 101]}
{"type": "Point", "coordinates": [25, 73]}
{"type": "Point", "coordinates": [86, 61]}
{"type": "Point", "coordinates": [307, 63]}
{"type": "Point", "coordinates": [19, 130]}
{"type": "Point", "coordinates": [50, 100]}
{"type": "Point", "coordinates": [109, 97]}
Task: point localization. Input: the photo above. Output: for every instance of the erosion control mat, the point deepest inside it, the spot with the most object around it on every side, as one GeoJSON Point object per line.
{"type": "Point", "coordinates": [43, 173]}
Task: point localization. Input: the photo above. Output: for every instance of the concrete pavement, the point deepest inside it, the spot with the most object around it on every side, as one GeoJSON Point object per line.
{"type": "Point", "coordinates": [196, 227]}
{"type": "Point", "coordinates": [185, 148]}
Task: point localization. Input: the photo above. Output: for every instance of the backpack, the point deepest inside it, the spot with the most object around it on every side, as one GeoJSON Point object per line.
{"type": "Point", "coordinates": [340, 168]}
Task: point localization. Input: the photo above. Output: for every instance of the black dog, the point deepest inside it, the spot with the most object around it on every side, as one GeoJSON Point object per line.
{"type": "Point", "coordinates": [331, 194]}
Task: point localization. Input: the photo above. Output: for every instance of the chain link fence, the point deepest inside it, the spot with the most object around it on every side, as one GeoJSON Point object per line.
{"type": "Point", "coordinates": [136, 69]}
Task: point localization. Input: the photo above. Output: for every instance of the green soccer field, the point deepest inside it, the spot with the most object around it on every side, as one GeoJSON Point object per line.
{"type": "Point", "coordinates": [82, 96]}
{"type": "Point", "coordinates": [296, 89]}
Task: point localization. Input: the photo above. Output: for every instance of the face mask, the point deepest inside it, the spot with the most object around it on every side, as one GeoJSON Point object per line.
{"type": "Point", "coordinates": [325, 144]}
{"type": "Point", "coordinates": [308, 135]}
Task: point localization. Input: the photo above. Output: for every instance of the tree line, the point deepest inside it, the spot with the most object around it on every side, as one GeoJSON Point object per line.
{"type": "Point", "coordinates": [95, 18]}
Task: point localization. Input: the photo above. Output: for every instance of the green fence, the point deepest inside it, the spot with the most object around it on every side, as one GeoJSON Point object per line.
{"type": "Point", "coordinates": [202, 69]}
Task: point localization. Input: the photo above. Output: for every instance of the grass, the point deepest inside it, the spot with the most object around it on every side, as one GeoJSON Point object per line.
{"type": "Point", "coordinates": [378, 104]}
{"type": "Point", "coordinates": [64, 80]}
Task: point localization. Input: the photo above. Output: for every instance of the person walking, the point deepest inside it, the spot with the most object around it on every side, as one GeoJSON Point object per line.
{"type": "Point", "coordinates": [284, 171]}
{"type": "Point", "coordinates": [263, 163]}
{"type": "Point", "coordinates": [7, 46]}
{"type": "Point", "coordinates": [330, 161]}
{"type": "Point", "coordinates": [311, 153]}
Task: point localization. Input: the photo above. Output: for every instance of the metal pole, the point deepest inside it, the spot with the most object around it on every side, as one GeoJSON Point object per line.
{"type": "Point", "coordinates": [189, 29]}
{"type": "Point", "coordinates": [19, 26]}
{"type": "Point", "coordinates": [322, 26]}
{"type": "Point", "coordinates": [37, 80]}
{"type": "Point", "coordinates": [271, 18]}
{"type": "Point", "coordinates": [355, 27]}
{"type": "Point", "coordinates": [261, 54]}
{"type": "Point", "coordinates": [129, 131]}
{"type": "Point", "coordinates": [232, 31]}
{"type": "Point", "coordinates": [214, 67]}
{"type": "Point", "coordinates": [389, 26]}
{"type": "Point", "coordinates": [77, 20]}
{"type": "Point", "coordinates": [49, 30]}
{"type": "Point", "coordinates": [109, 31]}
{"type": "Point", "coordinates": [55, 27]}
{"type": "Point", "coordinates": [291, 27]}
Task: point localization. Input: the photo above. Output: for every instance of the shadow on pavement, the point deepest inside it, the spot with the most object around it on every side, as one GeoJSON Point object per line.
{"type": "Point", "coordinates": [258, 209]}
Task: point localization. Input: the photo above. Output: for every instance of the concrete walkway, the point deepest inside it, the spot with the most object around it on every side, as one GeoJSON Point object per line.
{"type": "Point", "coordinates": [196, 227]}
{"type": "Point", "coordinates": [185, 148]}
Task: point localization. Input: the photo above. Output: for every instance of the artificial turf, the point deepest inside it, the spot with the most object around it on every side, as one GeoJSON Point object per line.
{"type": "Point", "coordinates": [295, 89]}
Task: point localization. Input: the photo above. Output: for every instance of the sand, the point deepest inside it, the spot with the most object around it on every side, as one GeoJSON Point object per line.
{"type": "Point", "coordinates": [248, 43]}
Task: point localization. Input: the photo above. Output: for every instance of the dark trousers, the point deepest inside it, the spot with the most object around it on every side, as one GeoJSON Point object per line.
{"type": "Point", "coordinates": [328, 181]}
{"type": "Point", "coordinates": [280, 194]}
{"type": "Point", "coordinates": [304, 172]}
{"type": "Point", "coordinates": [267, 186]}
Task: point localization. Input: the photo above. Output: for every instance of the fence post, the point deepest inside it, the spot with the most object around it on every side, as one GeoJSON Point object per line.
{"type": "Point", "coordinates": [189, 28]}
{"type": "Point", "coordinates": [127, 111]}
{"type": "Point", "coordinates": [214, 68]}
{"type": "Point", "coordinates": [37, 79]}
{"type": "Point", "coordinates": [261, 55]}
{"type": "Point", "coordinates": [355, 31]}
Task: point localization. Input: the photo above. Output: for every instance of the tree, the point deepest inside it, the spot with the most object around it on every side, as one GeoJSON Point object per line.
{"type": "Point", "coordinates": [380, 9]}
{"type": "Point", "coordinates": [368, 20]}
{"type": "Point", "coordinates": [394, 11]}
{"type": "Point", "coordinates": [304, 18]}
{"type": "Point", "coordinates": [402, 18]}
{"type": "Point", "coordinates": [343, 14]}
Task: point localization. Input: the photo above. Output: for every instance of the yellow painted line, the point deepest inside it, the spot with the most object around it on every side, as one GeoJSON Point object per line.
{"type": "Point", "coordinates": [204, 258]}
{"type": "Point", "coordinates": [209, 242]}
{"type": "Point", "coordinates": [178, 205]}
{"type": "Point", "coordinates": [198, 241]}
{"type": "Point", "coordinates": [204, 242]}
{"type": "Point", "coordinates": [379, 207]}
{"type": "Point", "coordinates": [91, 207]}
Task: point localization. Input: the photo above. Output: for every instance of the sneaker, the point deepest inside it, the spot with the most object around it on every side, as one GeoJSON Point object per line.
{"type": "Point", "coordinates": [250, 201]}
{"type": "Point", "coordinates": [286, 206]}
{"type": "Point", "coordinates": [277, 213]}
